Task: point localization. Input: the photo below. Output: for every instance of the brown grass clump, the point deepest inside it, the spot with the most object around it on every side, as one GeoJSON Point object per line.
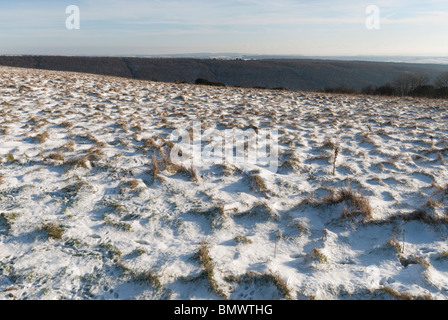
{"type": "Point", "coordinates": [42, 137]}
{"type": "Point", "coordinates": [291, 164]}
{"type": "Point", "coordinates": [54, 231]}
{"type": "Point", "coordinates": [150, 143]}
{"type": "Point", "coordinates": [394, 243]}
{"type": "Point", "coordinates": [405, 261]}
{"type": "Point", "coordinates": [155, 166]}
{"type": "Point", "coordinates": [359, 203]}
{"type": "Point", "coordinates": [83, 161]}
{"type": "Point", "coordinates": [132, 184]}
{"type": "Point", "coordinates": [229, 169]}
{"type": "Point", "coordinates": [257, 183]}
{"type": "Point", "coordinates": [209, 267]}
{"type": "Point", "coordinates": [317, 255]}
{"type": "Point", "coordinates": [56, 156]}
{"type": "Point", "coordinates": [242, 239]}
{"type": "Point", "coordinates": [67, 124]}
{"type": "Point", "coordinates": [4, 130]}
{"type": "Point", "coordinates": [424, 216]}
{"type": "Point", "coordinates": [441, 158]}
{"type": "Point", "coordinates": [404, 295]}
{"type": "Point", "coordinates": [69, 147]}
{"type": "Point", "coordinates": [432, 203]}
{"type": "Point", "coordinates": [10, 157]}
{"type": "Point", "coordinates": [328, 143]}
{"type": "Point", "coordinates": [281, 285]}
{"type": "Point", "coordinates": [271, 277]}
{"type": "Point", "coordinates": [181, 169]}
{"type": "Point", "coordinates": [439, 188]}
{"type": "Point", "coordinates": [150, 277]}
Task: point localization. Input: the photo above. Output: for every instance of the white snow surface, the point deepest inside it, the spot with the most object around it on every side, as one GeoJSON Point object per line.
{"type": "Point", "coordinates": [128, 233]}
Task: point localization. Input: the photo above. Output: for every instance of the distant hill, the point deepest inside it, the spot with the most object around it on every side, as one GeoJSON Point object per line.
{"type": "Point", "coordinates": [293, 74]}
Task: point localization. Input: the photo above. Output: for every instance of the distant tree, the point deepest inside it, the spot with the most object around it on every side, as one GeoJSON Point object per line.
{"type": "Point", "coordinates": [385, 90]}
{"type": "Point", "coordinates": [340, 89]}
{"type": "Point", "coordinates": [369, 89]}
{"type": "Point", "coordinates": [442, 93]}
{"type": "Point", "coordinates": [428, 91]}
{"type": "Point", "coordinates": [442, 80]}
{"type": "Point", "coordinates": [209, 83]}
{"type": "Point", "coordinates": [405, 83]}
{"type": "Point", "coordinates": [419, 80]}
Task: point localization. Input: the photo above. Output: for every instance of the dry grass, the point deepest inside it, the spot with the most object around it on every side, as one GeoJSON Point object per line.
{"type": "Point", "coordinates": [42, 137]}
{"type": "Point", "coordinates": [155, 167]}
{"type": "Point", "coordinates": [69, 147]}
{"type": "Point", "coordinates": [432, 203]}
{"type": "Point", "coordinates": [329, 143]}
{"type": "Point", "coordinates": [10, 157]}
{"type": "Point", "coordinates": [132, 184]}
{"type": "Point", "coordinates": [117, 224]}
{"type": "Point", "coordinates": [281, 285]}
{"type": "Point", "coordinates": [440, 189]}
{"type": "Point", "coordinates": [359, 203]}
{"type": "Point", "coordinates": [150, 277]}
{"type": "Point", "coordinates": [441, 158]}
{"type": "Point", "coordinates": [291, 164]}
{"type": "Point", "coordinates": [271, 277]}
{"type": "Point", "coordinates": [173, 168]}
{"type": "Point", "coordinates": [404, 295]}
{"type": "Point", "coordinates": [56, 156]}
{"type": "Point", "coordinates": [209, 267]}
{"type": "Point", "coordinates": [228, 169]}
{"type": "Point", "coordinates": [67, 124]}
{"type": "Point", "coordinates": [424, 216]}
{"type": "Point", "coordinates": [243, 239]}
{"type": "Point", "coordinates": [54, 231]}
{"type": "Point", "coordinates": [405, 261]}
{"type": "Point", "coordinates": [7, 219]}
{"type": "Point", "coordinates": [394, 243]}
{"type": "Point", "coordinates": [150, 143]}
{"type": "Point", "coordinates": [316, 255]}
{"type": "Point", "coordinates": [257, 184]}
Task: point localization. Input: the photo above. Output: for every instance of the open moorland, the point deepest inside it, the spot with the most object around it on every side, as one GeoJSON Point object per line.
{"type": "Point", "coordinates": [92, 207]}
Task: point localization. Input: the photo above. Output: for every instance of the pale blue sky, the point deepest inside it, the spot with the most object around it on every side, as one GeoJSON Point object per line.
{"type": "Point", "coordinates": [307, 27]}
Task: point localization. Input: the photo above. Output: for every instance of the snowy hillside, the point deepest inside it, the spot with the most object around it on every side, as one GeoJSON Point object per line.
{"type": "Point", "coordinates": [92, 207]}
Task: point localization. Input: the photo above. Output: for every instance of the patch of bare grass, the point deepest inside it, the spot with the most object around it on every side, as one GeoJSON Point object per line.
{"type": "Point", "coordinates": [208, 265]}
{"type": "Point", "coordinates": [42, 137]}
{"type": "Point", "coordinates": [53, 230]}
{"type": "Point", "coordinates": [359, 204]}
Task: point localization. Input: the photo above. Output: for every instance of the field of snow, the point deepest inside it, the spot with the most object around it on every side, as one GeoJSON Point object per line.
{"type": "Point", "coordinates": [92, 208]}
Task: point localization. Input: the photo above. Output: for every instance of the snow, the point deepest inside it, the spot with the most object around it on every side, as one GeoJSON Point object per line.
{"type": "Point", "coordinates": [129, 233]}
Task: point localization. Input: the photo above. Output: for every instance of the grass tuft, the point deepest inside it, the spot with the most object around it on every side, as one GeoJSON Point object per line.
{"type": "Point", "coordinates": [54, 231]}
{"type": "Point", "coordinates": [42, 137]}
{"type": "Point", "coordinates": [209, 268]}
{"type": "Point", "coordinates": [359, 203]}
{"type": "Point", "coordinates": [243, 239]}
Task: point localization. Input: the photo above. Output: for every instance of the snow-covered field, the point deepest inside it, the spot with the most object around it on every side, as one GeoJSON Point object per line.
{"type": "Point", "coordinates": [86, 213]}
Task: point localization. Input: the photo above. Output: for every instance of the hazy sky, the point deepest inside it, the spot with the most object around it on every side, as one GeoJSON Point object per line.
{"type": "Point", "coordinates": [308, 27]}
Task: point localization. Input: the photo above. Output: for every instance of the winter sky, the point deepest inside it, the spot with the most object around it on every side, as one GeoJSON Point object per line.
{"type": "Point", "coordinates": [307, 27]}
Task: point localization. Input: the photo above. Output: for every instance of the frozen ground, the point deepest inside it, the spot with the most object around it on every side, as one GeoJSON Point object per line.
{"type": "Point", "coordinates": [86, 214]}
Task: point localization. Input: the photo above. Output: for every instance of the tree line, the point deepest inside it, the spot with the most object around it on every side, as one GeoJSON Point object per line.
{"type": "Point", "coordinates": [405, 84]}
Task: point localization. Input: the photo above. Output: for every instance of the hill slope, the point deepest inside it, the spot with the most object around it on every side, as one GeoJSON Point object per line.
{"type": "Point", "coordinates": [270, 73]}
{"type": "Point", "coordinates": [91, 207]}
